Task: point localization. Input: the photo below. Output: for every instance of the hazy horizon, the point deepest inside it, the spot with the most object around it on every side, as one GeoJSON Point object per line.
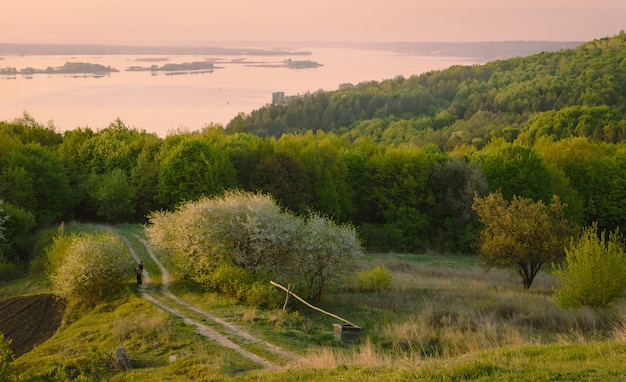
{"type": "Point", "coordinates": [236, 21]}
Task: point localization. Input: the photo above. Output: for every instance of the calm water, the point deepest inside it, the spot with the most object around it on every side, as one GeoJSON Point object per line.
{"type": "Point", "coordinates": [159, 103]}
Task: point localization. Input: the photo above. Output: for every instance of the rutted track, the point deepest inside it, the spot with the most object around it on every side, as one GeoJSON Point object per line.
{"type": "Point", "coordinates": [171, 303]}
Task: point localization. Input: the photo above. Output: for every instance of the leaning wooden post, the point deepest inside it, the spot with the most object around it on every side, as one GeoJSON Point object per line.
{"type": "Point", "coordinates": [287, 296]}
{"type": "Point", "coordinates": [309, 305]}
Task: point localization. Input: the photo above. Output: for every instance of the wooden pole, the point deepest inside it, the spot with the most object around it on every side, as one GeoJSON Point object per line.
{"type": "Point", "coordinates": [287, 297]}
{"type": "Point", "coordinates": [309, 305]}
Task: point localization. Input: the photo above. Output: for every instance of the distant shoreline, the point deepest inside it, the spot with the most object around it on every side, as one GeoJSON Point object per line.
{"type": "Point", "coordinates": [87, 49]}
{"type": "Point", "coordinates": [484, 51]}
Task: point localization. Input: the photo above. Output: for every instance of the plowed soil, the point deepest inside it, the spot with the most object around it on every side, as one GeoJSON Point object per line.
{"type": "Point", "coordinates": [30, 320]}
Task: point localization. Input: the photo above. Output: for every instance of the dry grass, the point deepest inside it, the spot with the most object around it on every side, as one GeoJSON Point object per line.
{"type": "Point", "coordinates": [153, 329]}
{"type": "Point", "coordinates": [365, 354]}
{"type": "Point", "coordinates": [445, 311]}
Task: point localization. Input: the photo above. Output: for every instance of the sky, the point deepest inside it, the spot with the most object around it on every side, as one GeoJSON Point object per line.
{"type": "Point", "coordinates": [198, 21]}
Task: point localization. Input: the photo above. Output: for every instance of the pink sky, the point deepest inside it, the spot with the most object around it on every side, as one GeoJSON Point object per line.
{"type": "Point", "coordinates": [166, 21]}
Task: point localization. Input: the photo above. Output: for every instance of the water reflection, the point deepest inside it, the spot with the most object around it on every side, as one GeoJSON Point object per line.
{"type": "Point", "coordinates": [187, 98]}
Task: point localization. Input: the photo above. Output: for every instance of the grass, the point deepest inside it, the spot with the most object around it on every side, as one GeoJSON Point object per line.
{"type": "Point", "coordinates": [444, 318]}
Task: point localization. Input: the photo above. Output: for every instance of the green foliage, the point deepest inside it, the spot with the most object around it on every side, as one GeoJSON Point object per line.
{"type": "Point", "coordinates": [594, 271]}
{"type": "Point", "coordinates": [600, 123]}
{"type": "Point", "coordinates": [397, 196]}
{"type": "Point", "coordinates": [320, 155]}
{"type": "Point", "coordinates": [18, 234]}
{"type": "Point", "coordinates": [26, 129]}
{"type": "Point", "coordinates": [34, 179]}
{"type": "Point", "coordinates": [89, 267]}
{"type": "Point", "coordinates": [114, 197]}
{"type": "Point", "coordinates": [230, 279]}
{"type": "Point", "coordinates": [8, 271]}
{"type": "Point", "coordinates": [522, 235]}
{"type": "Point", "coordinates": [191, 169]}
{"type": "Point", "coordinates": [286, 179]}
{"type": "Point", "coordinates": [57, 250]}
{"type": "Point", "coordinates": [454, 184]}
{"type": "Point", "coordinates": [595, 171]}
{"type": "Point", "coordinates": [144, 177]}
{"type": "Point", "coordinates": [3, 240]}
{"type": "Point", "coordinates": [514, 170]}
{"type": "Point", "coordinates": [7, 370]}
{"type": "Point", "coordinates": [374, 280]}
{"type": "Point", "coordinates": [263, 294]}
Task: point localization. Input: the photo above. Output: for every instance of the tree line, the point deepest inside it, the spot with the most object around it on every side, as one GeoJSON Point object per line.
{"type": "Point", "coordinates": [399, 198]}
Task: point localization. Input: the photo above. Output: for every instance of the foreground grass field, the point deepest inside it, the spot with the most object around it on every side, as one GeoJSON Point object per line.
{"type": "Point", "coordinates": [443, 319]}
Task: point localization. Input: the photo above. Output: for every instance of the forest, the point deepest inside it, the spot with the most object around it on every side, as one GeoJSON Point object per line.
{"type": "Point", "coordinates": [401, 160]}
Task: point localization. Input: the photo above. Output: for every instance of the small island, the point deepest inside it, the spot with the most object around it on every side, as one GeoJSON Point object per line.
{"type": "Point", "coordinates": [184, 67]}
{"type": "Point", "coordinates": [306, 64]}
{"type": "Point", "coordinates": [67, 68]}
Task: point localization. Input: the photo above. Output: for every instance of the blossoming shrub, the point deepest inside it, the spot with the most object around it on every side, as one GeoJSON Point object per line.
{"type": "Point", "coordinates": [323, 254]}
{"type": "Point", "coordinates": [89, 267]}
{"type": "Point", "coordinates": [250, 231]}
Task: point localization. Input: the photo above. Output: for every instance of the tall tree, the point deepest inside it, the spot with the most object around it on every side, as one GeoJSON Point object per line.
{"type": "Point", "coordinates": [282, 176]}
{"type": "Point", "coordinates": [36, 180]}
{"type": "Point", "coordinates": [522, 235]}
{"type": "Point", "coordinates": [191, 169]}
{"type": "Point", "coordinates": [114, 197]}
{"type": "Point", "coordinates": [454, 184]}
{"type": "Point", "coordinates": [515, 170]}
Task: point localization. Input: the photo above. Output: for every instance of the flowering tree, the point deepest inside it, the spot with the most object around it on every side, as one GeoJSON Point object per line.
{"type": "Point", "coordinates": [251, 231]}
{"type": "Point", "coordinates": [92, 266]}
{"type": "Point", "coordinates": [324, 252]}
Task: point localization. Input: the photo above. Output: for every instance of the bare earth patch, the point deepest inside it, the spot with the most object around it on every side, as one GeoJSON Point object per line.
{"type": "Point", "coordinates": [29, 320]}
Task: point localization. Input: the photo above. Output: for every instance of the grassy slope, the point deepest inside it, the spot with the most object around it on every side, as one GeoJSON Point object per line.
{"type": "Point", "coordinates": [152, 336]}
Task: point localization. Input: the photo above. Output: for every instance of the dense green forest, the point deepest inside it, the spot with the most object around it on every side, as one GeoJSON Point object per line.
{"type": "Point", "coordinates": [402, 159]}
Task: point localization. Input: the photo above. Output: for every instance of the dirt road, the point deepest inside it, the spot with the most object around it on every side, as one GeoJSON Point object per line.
{"type": "Point", "coordinates": [171, 303]}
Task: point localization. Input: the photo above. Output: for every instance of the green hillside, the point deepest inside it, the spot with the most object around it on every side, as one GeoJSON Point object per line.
{"type": "Point", "coordinates": [461, 104]}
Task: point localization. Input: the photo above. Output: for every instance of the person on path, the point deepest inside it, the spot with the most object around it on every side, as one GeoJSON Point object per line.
{"type": "Point", "coordinates": [139, 271]}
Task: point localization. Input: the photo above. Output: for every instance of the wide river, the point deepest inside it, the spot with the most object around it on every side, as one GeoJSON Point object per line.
{"type": "Point", "coordinates": [159, 103]}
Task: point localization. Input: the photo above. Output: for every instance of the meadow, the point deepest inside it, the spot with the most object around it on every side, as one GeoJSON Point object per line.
{"type": "Point", "coordinates": [444, 318]}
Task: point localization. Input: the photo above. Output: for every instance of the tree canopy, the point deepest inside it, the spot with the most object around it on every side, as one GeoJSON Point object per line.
{"type": "Point", "coordinates": [521, 234]}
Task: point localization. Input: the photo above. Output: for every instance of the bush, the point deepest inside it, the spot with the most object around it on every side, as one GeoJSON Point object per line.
{"type": "Point", "coordinates": [8, 272]}
{"type": "Point", "coordinates": [93, 266]}
{"type": "Point", "coordinates": [264, 295]}
{"type": "Point", "coordinates": [594, 272]}
{"type": "Point", "coordinates": [239, 228]}
{"type": "Point", "coordinates": [7, 370]}
{"type": "Point", "coordinates": [18, 234]}
{"type": "Point", "coordinates": [42, 240]}
{"type": "Point", "coordinates": [374, 280]}
{"type": "Point", "coordinates": [252, 232]}
{"type": "Point", "coordinates": [230, 279]}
